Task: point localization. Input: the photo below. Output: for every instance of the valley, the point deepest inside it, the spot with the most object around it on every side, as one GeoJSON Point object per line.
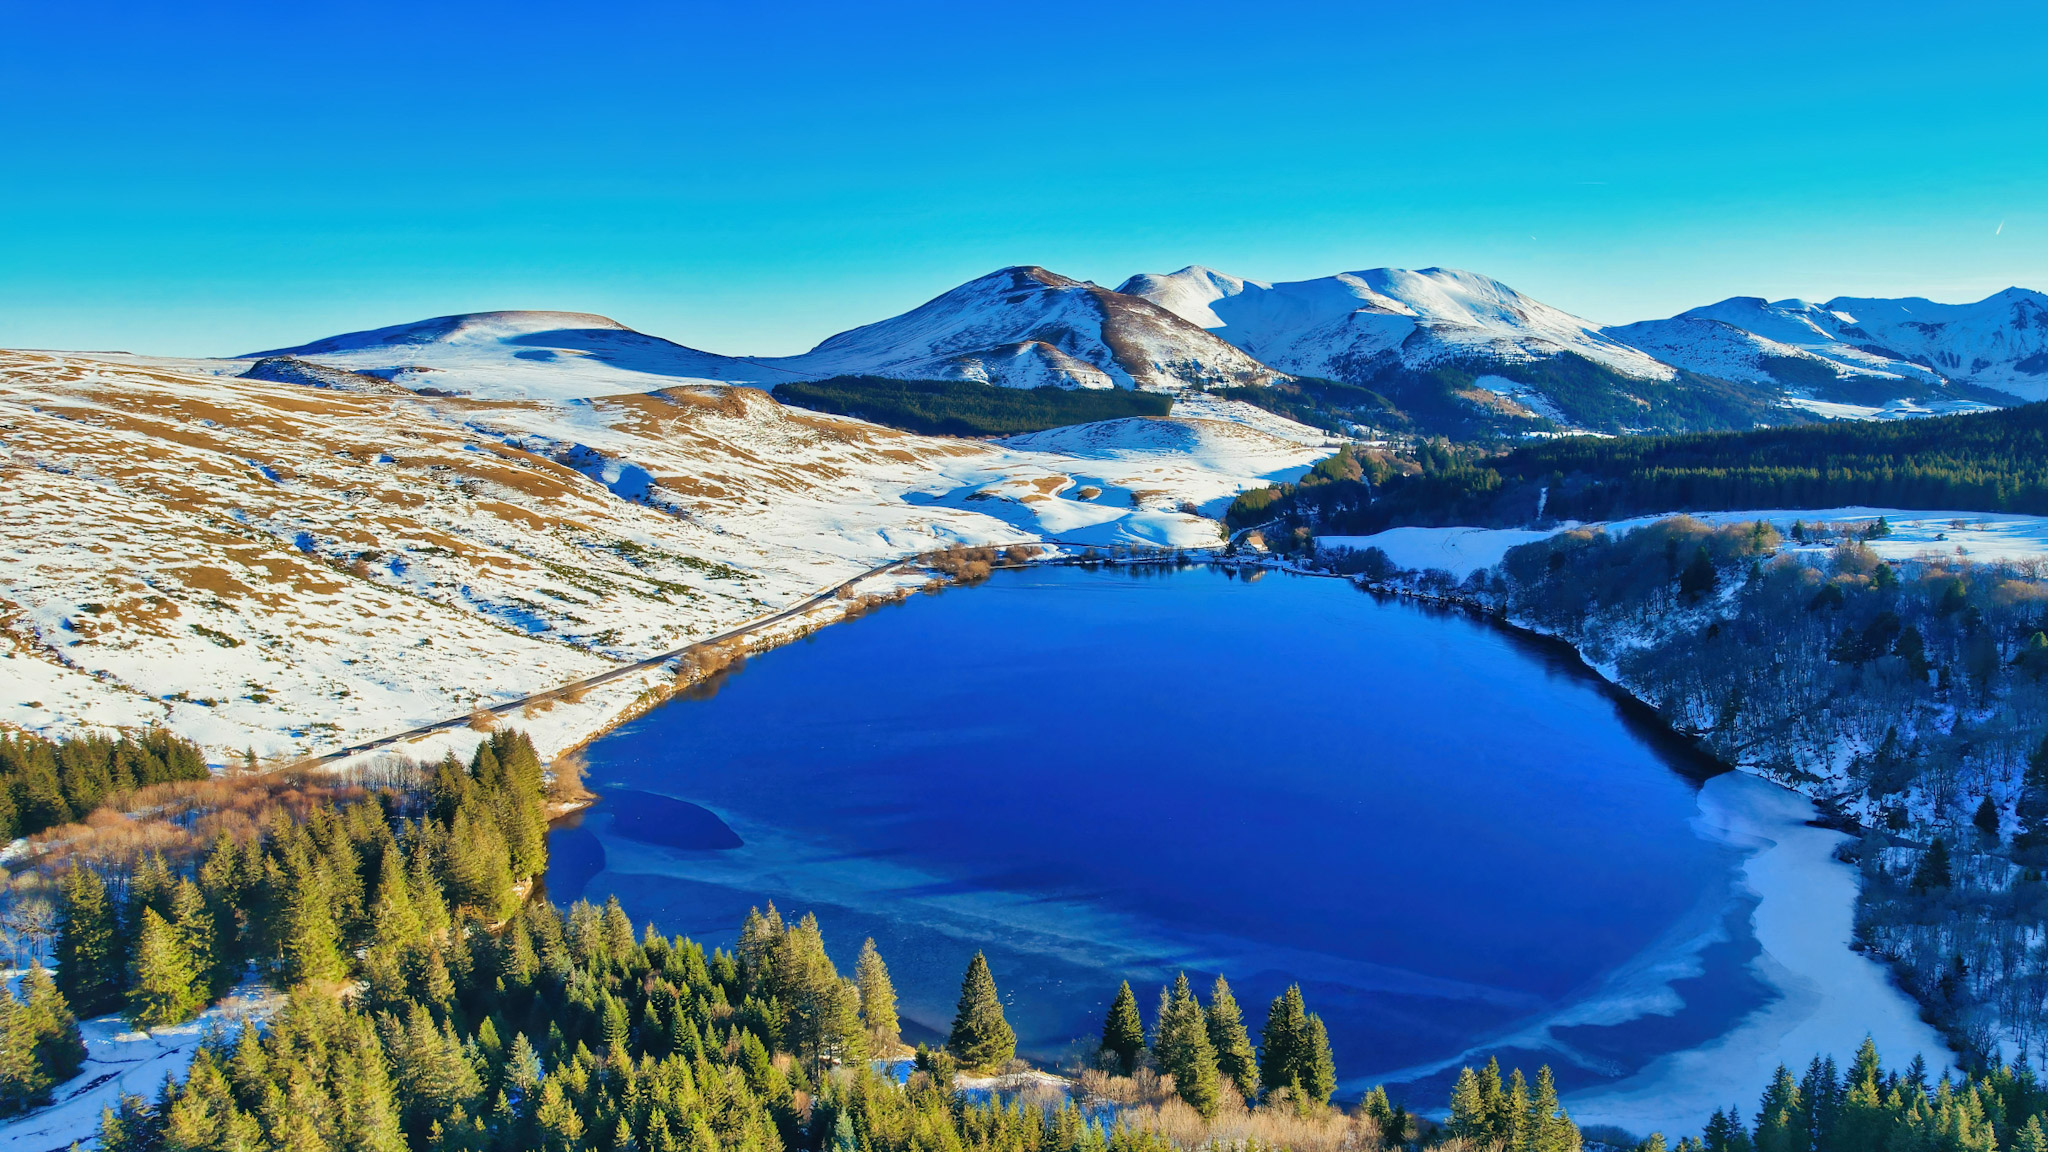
{"type": "Point", "coordinates": [376, 550]}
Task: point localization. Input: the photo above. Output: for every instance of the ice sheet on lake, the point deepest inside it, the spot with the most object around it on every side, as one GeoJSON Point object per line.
{"type": "Point", "coordinates": [1828, 997]}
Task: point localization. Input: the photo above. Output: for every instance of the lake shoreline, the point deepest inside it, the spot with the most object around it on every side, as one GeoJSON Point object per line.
{"type": "Point", "coordinates": [1683, 752]}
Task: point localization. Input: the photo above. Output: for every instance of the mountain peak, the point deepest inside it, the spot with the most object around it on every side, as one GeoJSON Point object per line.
{"type": "Point", "coordinates": [459, 328]}
{"type": "Point", "coordinates": [1352, 325]}
{"type": "Point", "coordinates": [1025, 326]}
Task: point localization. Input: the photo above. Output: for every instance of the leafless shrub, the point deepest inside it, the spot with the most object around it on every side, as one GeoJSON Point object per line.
{"type": "Point", "coordinates": [182, 819]}
{"type": "Point", "coordinates": [967, 565]}
{"type": "Point", "coordinates": [565, 777]}
{"type": "Point", "coordinates": [1147, 1102]}
{"type": "Point", "coordinates": [482, 719]}
{"type": "Point", "coordinates": [1019, 553]}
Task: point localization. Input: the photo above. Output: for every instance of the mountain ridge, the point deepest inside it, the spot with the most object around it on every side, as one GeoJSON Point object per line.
{"type": "Point", "coordinates": [1456, 351]}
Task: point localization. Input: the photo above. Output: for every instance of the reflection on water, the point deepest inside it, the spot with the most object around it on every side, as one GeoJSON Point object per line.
{"type": "Point", "coordinates": [1446, 833]}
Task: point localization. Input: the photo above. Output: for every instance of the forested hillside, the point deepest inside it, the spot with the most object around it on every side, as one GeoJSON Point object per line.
{"type": "Point", "coordinates": [1910, 699]}
{"type": "Point", "coordinates": [430, 1007]}
{"type": "Point", "coordinates": [967, 408]}
{"type": "Point", "coordinates": [1984, 462]}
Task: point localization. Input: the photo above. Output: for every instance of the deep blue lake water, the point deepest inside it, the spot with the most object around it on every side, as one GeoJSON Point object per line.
{"type": "Point", "coordinates": [1448, 834]}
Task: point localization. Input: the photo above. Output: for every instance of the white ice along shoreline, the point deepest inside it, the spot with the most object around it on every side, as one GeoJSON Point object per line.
{"type": "Point", "coordinates": [1827, 996]}
{"type": "Point", "coordinates": [1824, 996]}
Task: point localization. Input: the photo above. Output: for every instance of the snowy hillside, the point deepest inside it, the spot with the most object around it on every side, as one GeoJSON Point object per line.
{"type": "Point", "coordinates": [290, 568]}
{"type": "Point", "coordinates": [2000, 342]}
{"type": "Point", "coordinates": [1352, 324]}
{"type": "Point", "coordinates": [538, 355]}
{"type": "Point", "coordinates": [1024, 327]}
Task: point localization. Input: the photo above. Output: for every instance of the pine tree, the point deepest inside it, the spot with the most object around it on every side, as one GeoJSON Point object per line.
{"type": "Point", "coordinates": [981, 1039]}
{"type": "Point", "coordinates": [309, 936]}
{"type": "Point", "coordinates": [877, 1000]}
{"type": "Point", "coordinates": [1283, 1042]}
{"type": "Point", "coordinates": [1987, 820]}
{"type": "Point", "coordinates": [193, 923]}
{"type": "Point", "coordinates": [1470, 1116]}
{"type": "Point", "coordinates": [1389, 1120]}
{"type": "Point", "coordinates": [760, 937]}
{"type": "Point", "coordinates": [2030, 1138]}
{"type": "Point", "coordinates": [24, 1083]}
{"type": "Point", "coordinates": [1318, 1074]}
{"type": "Point", "coordinates": [1123, 1031]}
{"type": "Point", "coordinates": [1933, 871]}
{"type": "Point", "coordinates": [1549, 1128]}
{"type": "Point", "coordinates": [1181, 1047]}
{"type": "Point", "coordinates": [1864, 1120]}
{"type": "Point", "coordinates": [1699, 577]}
{"type": "Point", "coordinates": [1822, 1095]}
{"type": "Point", "coordinates": [60, 1050]}
{"type": "Point", "coordinates": [820, 1011]}
{"type": "Point", "coordinates": [1235, 1058]}
{"type": "Point", "coordinates": [1781, 1121]}
{"type": "Point", "coordinates": [165, 988]}
{"type": "Point", "coordinates": [89, 961]}
{"type": "Point", "coordinates": [1511, 1113]}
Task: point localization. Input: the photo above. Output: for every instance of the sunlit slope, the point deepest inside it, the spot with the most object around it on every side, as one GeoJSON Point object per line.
{"type": "Point", "coordinates": [293, 568]}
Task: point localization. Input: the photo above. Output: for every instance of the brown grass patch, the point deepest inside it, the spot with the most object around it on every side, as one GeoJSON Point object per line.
{"type": "Point", "coordinates": [1146, 1102]}
{"type": "Point", "coordinates": [183, 819]}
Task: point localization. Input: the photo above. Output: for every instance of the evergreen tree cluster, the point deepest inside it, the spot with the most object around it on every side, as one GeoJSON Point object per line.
{"type": "Point", "coordinates": [44, 783]}
{"type": "Point", "coordinates": [39, 1043]}
{"type": "Point", "coordinates": [1917, 677]}
{"type": "Point", "coordinates": [1510, 1116]}
{"type": "Point", "coordinates": [1208, 1049]}
{"type": "Point", "coordinates": [365, 891]}
{"type": "Point", "coordinates": [1871, 1109]}
{"type": "Point", "coordinates": [1984, 462]}
{"type": "Point", "coordinates": [967, 407]}
{"type": "Point", "coordinates": [787, 982]}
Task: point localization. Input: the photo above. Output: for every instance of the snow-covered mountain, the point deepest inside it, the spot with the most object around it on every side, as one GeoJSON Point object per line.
{"type": "Point", "coordinates": [1020, 327]}
{"type": "Point", "coordinates": [1023, 327]}
{"type": "Point", "coordinates": [1456, 352]}
{"type": "Point", "coordinates": [539, 355]}
{"type": "Point", "coordinates": [1354, 325]}
{"type": "Point", "coordinates": [2000, 342]}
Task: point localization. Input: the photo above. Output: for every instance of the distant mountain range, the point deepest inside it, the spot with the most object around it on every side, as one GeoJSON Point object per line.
{"type": "Point", "coordinates": [1433, 349]}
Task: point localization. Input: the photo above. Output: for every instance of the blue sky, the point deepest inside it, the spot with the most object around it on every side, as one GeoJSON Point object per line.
{"type": "Point", "coordinates": [212, 179]}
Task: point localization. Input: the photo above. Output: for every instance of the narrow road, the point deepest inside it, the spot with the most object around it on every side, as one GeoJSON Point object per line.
{"type": "Point", "coordinates": [757, 623]}
{"type": "Point", "coordinates": [734, 632]}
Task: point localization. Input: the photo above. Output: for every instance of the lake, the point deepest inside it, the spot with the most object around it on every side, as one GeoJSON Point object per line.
{"type": "Point", "coordinates": [1452, 836]}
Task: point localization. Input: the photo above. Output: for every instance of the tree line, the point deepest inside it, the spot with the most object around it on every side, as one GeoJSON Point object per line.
{"type": "Point", "coordinates": [967, 407]}
{"type": "Point", "coordinates": [1208, 1052]}
{"type": "Point", "coordinates": [45, 783]}
{"type": "Point", "coordinates": [1908, 698]}
{"type": "Point", "coordinates": [1983, 462]}
{"type": "Point", "coordinates": [430, 1006]}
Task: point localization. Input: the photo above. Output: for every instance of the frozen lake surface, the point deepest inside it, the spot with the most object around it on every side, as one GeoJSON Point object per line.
{"type": "Point", "coordinates": [1454, 838]}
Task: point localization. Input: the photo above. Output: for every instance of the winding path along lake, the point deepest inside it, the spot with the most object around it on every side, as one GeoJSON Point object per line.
{"type": "Point", "coordinates": [1454, 838]}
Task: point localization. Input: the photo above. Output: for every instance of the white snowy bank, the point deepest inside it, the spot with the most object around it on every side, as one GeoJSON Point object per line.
{"type": "Point", "coordinates": [1986, 537]}
{"type": "Point", "coordinates": [1828, 997]}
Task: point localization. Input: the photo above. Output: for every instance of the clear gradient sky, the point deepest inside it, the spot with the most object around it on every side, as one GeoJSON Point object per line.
{"type": "Point", "coordinates": [211, 179]}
